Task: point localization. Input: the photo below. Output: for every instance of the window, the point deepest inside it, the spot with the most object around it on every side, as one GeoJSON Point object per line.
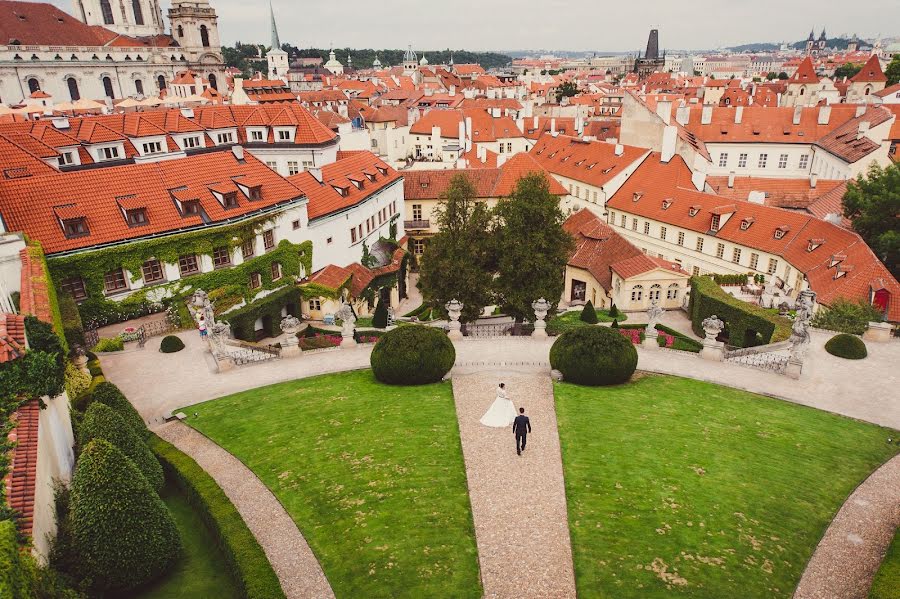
{"type": "Point", "coordinates": [655, 291]}
{"type": "Point", "coordinates": [204, 36]}
{"type": "Point", "coordinates": [293, 167]}
{"type": "Point", "coordinates": [255, 192]}
{"type": "Point", "coordinates": [213, 82]}
{"type": "Point", "coordinates": [66, 158]}
{"type": "Point", "coordinates": [646, 228]}
{"type": "Point", "coordinates": [190, 142]}
{"type": "Point", "coordinates": [352, 234]}
{"type": "Point", "coordinates": [188, 265]}
{"type": "Point", "coordinates": [255, 280]}
{"type": "Point", "coordinates": [284, 135]}
{"type": "Point", "coordinates": [736, 255]}
{"type": "Point", "coordinates": [773, 264]}
{"type": "Point", "coordinates": [152, 147]}
{"type": "Point", "coordinates": [110, 153]}
{"type": "Point", "coordinates": [637, 293]}
{"type": "Point", "coordinates": [256, 135]}
{"type": "Point", "coordinates": [33, 85]}
{"type": "Point", "coordinates": [328, 241]}
{"type": "Point", "coordinates": [723, 159]}
{"type": "Point", "coordinates": [138, 13]}
{"type": "Point", "coordinates": [742, 161]}
{"type": "Point", "coordinates": [672, 291]}
{"type": "Point", "coordinates": [501, 149]}
{"type": "Point", "coordinates": [417, 211]}
{"type": "Point", "coordinates": [106, 9]}
{"type": "Point", "coordinates": [137, 217]}
{"type": "Point", "coordinates": [804, 161]}
{"type": "Point", "coordinates": [108, 88]}
{"type": "Point", "coordinates": [720, 250]}
{"type": "Point", "coordinates": [276, 271]}
{"type": "Point", "coordinates": [75, 288]}
{"type": "Point", "coordinates": [161, 81]}
{"type": "Point", "coordinates": [714, 223]}
{"type": "Point", "coordinates": [190, 208]}
{"type": "Point", "coordinates": [634, 224]}
{"type": "Point", "coordinates": [295, 225]}
{"type": "Point", "coordinates": [763, 159]}
{"type": "Point", "coordinates": [75, 227]}
{"type": "Point", "coordinates": [269, 239]}
{"type": "Point", "coordinates": [152, 271]}
{"type": "Point", "coordinates": [782, 161]}
{"type": "Point", "coordinates": [114, 281]}
{"type": "Point", "coordinates": [225, 138]}
{"type": "Point", "coordinates": [229, 200]}
{"type": "Point", "coordinates": [418, 247]}
{"type": "Point", "coordinates": [272, 165]}
{"type": "Point", "coordinates": [74, 94]}
{"type": "Point", "coordinates": [508, 148]}
{"type": "Point", "coordinates": [699, 244]}
{"type": "Point", "coordinates": [662, 232]}
{"type": "Point", "coordinates": [315, 304]}
{"type": "Point", "coordinates": [624, 218]}
{"type": "Point", "coordinates": [754, 260]}
{"type": "Point", "coordinates": [139, 86]}
{"type": "Point", "coordinates": [221, 257]}
{"type": "Point", "coordinates": [695, 271]}
{"type": "Point", "coordinates": [681, 238]}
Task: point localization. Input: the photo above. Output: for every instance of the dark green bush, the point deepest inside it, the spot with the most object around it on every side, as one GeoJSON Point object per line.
{"type": "Point", "coordinates": [171, 344]}
{"type": "Point", "coordinates": [121, 529]}
{"type": "Point", "coordinates": [246, 559]}
{"type": "Point", "coordinates": [412, 355]}
{"type": "Point", "coordinates": [110, 395]}
{"type": "Point", "coordinates": [14, 578]}
{"type": "Point", "coordinates": [613, 311]}
{"type": "Point", "coordinates": [844, 316]}
{"type": "Point", "coordinates": [593, 356]}
{"type": "Point", "coordinates": [102, 422]}
{"type": "Point", "coordinates": [747, 325]}
{"type": "Point", "coordinates": [846, 346]}
{"type": "Point", "coordinates": [588, 314]}
{"type": "Point", "coordinates": [615, 323]}
{"type": "Point", "coordinates": [380, 317]}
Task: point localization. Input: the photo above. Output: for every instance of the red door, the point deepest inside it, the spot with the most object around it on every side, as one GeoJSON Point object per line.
{"type": "Point", "coordinates": [881, 300]}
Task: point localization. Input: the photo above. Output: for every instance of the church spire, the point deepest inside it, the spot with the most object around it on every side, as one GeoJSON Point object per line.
{"type": "Point", "coordinates": [276, 43]}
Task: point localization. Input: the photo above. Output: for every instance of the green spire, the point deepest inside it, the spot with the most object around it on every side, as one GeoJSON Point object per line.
{"type": "Point", "coordinates": [276, 43]}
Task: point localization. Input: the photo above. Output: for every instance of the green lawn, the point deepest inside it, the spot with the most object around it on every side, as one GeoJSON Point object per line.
{"type": "Point", "coordinates": [202, 572]}
{"type": "Point", "coordinates": [373, 476]}
{"type": "Point", "coordinates": [681, 488]}
{"type": "Point", "coordinates": [572, 319]}
{"type": "Point", "coordinates": [887, 581]}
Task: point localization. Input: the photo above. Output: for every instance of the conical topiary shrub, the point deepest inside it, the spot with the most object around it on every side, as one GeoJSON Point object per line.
{"type": "Point", "coordinates": [588, 314]}
{"type": "Point", "coordinates": [110, 395]}
{"type": "Point", "coordinates": [380, 317]}
{"type": "Point", "coordinates": [615, 324]}
{"type": "Point", "coordinates": [120, 527]}
{"type": "Point", "coordinates": [102, 422]}
{"type": "Point", "coordinates": [613, 311]}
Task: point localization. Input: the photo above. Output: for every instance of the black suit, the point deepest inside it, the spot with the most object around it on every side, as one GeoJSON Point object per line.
{"type": "Point", "coordinates": [521, 428]}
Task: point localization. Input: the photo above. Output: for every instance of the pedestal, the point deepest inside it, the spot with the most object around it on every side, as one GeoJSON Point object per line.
{"type": "Point", "coordinates": [348, 342]}
{"type": "Point", "coordinates": [793, 368]}
{"type": "Point", "coordinates": [713, 350]}
{"type": "Point", "coordinates": [879, 332]}
{"type": "Point", "coordinates": [650, 343]}
{"type": "Point", "coordinates": [80, 362]}
{"type": "Point", "coordinates": [540, 330]}
{"type": "Point", "coordinates": [291, 351]}
{"type": "Point", "coordinates": [454, 333]}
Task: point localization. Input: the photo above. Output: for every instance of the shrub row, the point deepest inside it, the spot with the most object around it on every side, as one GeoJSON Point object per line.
{"type": "Point", "coordinates": [246, 560]}
{"type": "Point", "coordinates": [722, 279]}
{"type": "Point", "coordinates": [747, 325]}
{"type": "Point", "coordinates": [682, 341]}
{"type": "Point", "coordinates": [110, 344]}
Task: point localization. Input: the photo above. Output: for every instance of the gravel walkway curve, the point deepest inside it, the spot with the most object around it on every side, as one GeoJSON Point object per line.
{"type": "Point", "coordinates": [518, 503]}
{"type": "Point", "coordinates": [294, 563]}
{"type": "Point", "coordinates": [849, 554]}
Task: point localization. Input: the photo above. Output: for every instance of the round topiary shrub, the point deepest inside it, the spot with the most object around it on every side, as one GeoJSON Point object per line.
{"type": "Point", "coordinates": [121, 529]}
{"type": "Point", "coordinates": [412, 355]}
{"type": "Point", "coordinates": [109, 394]}
{"type": "Point", "coordinates": [102, 422]}
{"type": "Point", "coordinates": [846, 346]}
{"type": "Point", "coordinates": [593, 356]}
{"type": "Point", "coordinates": [171, 344]}
{"type": "Point", "coordinates": [588, 314]}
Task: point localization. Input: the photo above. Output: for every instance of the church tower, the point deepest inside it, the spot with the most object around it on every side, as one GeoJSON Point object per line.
{"type": "Point", "coordinates": [823, 41]}
{"type": "Point", "coordinates": [127, 17]}
{"type": "Point", "coordinates": [810, 42]}
{"type": "Point", "coordinates": [195, 28]}
{"type": "Point", "coordinates": [276, 57]}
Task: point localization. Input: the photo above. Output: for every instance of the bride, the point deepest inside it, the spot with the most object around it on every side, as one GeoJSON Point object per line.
{"type": "Point", "coordinates": [502, 412]}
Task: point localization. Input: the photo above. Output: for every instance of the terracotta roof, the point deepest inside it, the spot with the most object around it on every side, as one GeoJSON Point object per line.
{"type": "Point", "coordinates": [12, 337]}
{"type": "Point", "coordinates": [845, 141]}
{"type": "Point", "coordinates": [871, 72]}
{"type": "Point", "coordinates": [805, 73]}
{"type": "Point", "coordinates": [592, 162]}
{"type": "Point", "coordinates": [332, 276]}
{"type": "Point", "coordinates": [39, 24]}
{"type": "Point", "coordinates": [22, 477]}
{"type": "Point", "coordinates": [34, 299]}
{"type": "Point", "coordinates": [564, 126]}
{"type": "Point", "coordinates": [784, 193]}
{"type": "Point", "coordinates": [831, 202]}
{"type": "Point", "coordinates": [485, 128]}
{"type": "Point", "coordinates": [888, 91]}
{"type": "Point", "coordinates": [638, 265]}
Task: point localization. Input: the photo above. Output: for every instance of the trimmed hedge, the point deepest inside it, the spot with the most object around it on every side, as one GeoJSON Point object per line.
{"type": "Point", "coordinates": [110, 395]}
{"type": "Point", "coordinates": [171, 344]}
{"type": "Point", "coordinates": [741, 319]}
{"type": "Point", "coordinates": [412, 355]}
{"type": "Point", "coordinates": [268, 308]}
{"type": "Point", "coordinates": [121, 529]}
{"type": "Point", "coordinates": [110, 344]}
{"type": "Point", "coordinates": [14, 579]}
{"type": "Point", "coordinates": [682, 341]}
{"type": "Point", "coordinates": [102, 422]}
{"type": "Point", "coordinates": [588, 314]}
{"type": "Point", "coordinates": [846, 346]}
{"type": "Point", "coordinates": [594, 356]}
{"type": "Point", "coordinates": [246, 560]}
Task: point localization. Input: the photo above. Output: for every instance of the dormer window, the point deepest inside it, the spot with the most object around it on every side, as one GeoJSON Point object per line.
{"type": "Point", "coordinates": [592, 165]}
{"type": "Point", "coordinates": [714, 223]}
{"type": "Point", "coordinates": [370, 176]}
{"type": "Point", "coordinates": [842, 271]}
{"type": "Point", "coordinates": [745, 223]}
{"type": "Point", "coordinates": [190, 208]}
{"type": "Point", "coordinates": [229, 200]}
{"type": "Point", "coordinates": [340, 190]}
{"type": "Point", "coordinates": [636, 196]}
{"type": "Point", "coordinates": [256, 135]}
{"type": "Point", "coordinates": [136, 217]}
{"type": "Point", "coordinates": [666, 204]}
{"type": "Point", "coordinates": [284, 135]}
{"type": "Point", "coordinates": [836, 259]}
{"type": "Point", "coordinates": [382, 170]}
{"type": "Point", "coordinates": [255, 192]}
{"type": "Point", "coordinates": [693, 211]}
{"type": "Point", "coordinates": [75, 227]}
{"type": "Point", "coordinates": [813, 244]}
{"type": "Point", "coordinates": [781, 231]}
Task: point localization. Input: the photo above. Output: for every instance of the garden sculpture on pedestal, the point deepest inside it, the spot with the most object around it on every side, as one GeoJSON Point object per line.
{"type": "Point", "coordinates": [540, 307]}
{"type": "Point", "coordinates": [348, 320]}
{"type": "Point", "coordinates": [800, 333]}
{"type": "Point", "coordinates": [712, 349]}
{"type": "Point", "coordinates": [454, 311]}
{"type": "Point", "coordinates": [290, 326]}
{"type": "Point", "coordinates": [79, 359]}
{"type": "Point", "coordinates": [202, 305]}
{"type": "Point", "coordinates": [650, 332]}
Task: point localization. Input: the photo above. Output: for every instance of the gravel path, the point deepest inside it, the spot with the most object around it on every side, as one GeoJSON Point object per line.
{"type": "Point", "coordinates": [518, 503]}
{"type": "Point", "coordinates": [850, 552]}
{"type": "Point", "coordinates": [294, 563]}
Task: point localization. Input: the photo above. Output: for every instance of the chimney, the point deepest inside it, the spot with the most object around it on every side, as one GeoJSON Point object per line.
{"type": "Point", "coordinates": [863, 129]}
{"type": "Point", "coordinates": [452, 90]}
{"type": "Point", "coordinates": [238, 152]}
{"type": "Point", "coordinates": [553, 127]}
{"type": "Point", "coordinates": [620, 149]}
{"type": "Point", "coordinates": [462, 135]}
{"type": "Point", "coordinates": [738, 115]}
{"type": "Point", "coordinates": [683, 115]}
{"type": "Point", "coordinates": [798, 112]}
{"type": "Point", "coordinates": [664, 111]}
{"type": "Point", "coordinates": [813, 179]}
{"type": "Point", "coordinates": [520, 123]}
{"type": "Point", "coordinates": [316, 172]}
{"type": "Point", "coordinates": [482, 154]}
{"type": "Point", "coordinates": [670, 136]}
{"type": "Point", "coordinates": [731, 180]}
{"type": "Point", "coordinates": [469, 127]}
{"type": "Point", "coordinates": [706, 115]}
{"type": "Point", "coordinates": [429, 92]}
{"type": "Point", "coordinates": [824, 115]}
{"type": "Point", "coordinates": [535, 123]}
{"type": "Point", "coordinates": [699, 180]}
{"type": "Point", "coordinates": [860, 110]}
{"type": "Point", "coordinates": [778, 99]}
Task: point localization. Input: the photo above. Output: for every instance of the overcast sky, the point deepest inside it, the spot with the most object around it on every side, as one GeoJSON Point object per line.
{"type": "Point", "coordinates": [548, 24]}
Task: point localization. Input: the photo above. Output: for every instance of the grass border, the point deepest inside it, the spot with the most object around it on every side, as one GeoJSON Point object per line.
{"type": "Point", "coordinates": [248, 563]}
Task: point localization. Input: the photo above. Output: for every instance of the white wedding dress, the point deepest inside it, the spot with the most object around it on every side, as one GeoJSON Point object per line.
{"type": "Point", "coordinates": [501, 413]}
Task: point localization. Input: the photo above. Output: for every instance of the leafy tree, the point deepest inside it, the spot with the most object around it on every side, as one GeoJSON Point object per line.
{"type": "Point", "coordinates": [846, 316]}
{"type": "Point", "coordinates": [456, 261]}
{"type": "Point", "coordinates": [873, 205]}
{"type": "Point", "coordinates": [566, 89]}
{"type": "Point", "coordinates": [783, 76]}
{"type": "Point", "coordinates": [771, 75]}
{"type": "Point", "coordinates": [532, 245]}
{"type": "Point", "coordinates": [588, 314]}
{"type": "Point", "coordinates": [847, 70]}
{"type": "Point", "coordinates": [893, 71]}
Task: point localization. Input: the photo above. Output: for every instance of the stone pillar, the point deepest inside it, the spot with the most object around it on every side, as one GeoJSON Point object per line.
{"type": "Point", "coordinates": [540, 307]}
{"type": "Point", "coordinates": [793, 368]}
{"type": "Point", "coordinates": [712, 349]}
{"type": "Point", "coordinates": [290, 325]}
{"type": "Point", "coordinates": [454, 310]}
{"type": "Point", "coordinates": [879, 332]}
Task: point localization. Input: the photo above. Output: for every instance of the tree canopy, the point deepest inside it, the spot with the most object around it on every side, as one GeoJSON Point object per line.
{"type": "Point", "coordinates": [892, 72]}
{"type": "Point", "coordinates": [873, 205]}
{"type": "Point", "coordinates": [567, 89]}
{"type": "Point", "coordinates": [847, 70]}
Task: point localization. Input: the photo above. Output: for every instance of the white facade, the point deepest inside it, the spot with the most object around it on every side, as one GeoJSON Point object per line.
{"type": "Point", "coordinates": [134, 17]}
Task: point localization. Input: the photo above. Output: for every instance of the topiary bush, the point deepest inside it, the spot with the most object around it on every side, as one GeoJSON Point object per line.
{"type": "Point", "coordinates": [171, 344]}
{"type": "Point", "coordinates": [613, 311]}
{"type": "Point", "coordinates": [588, 314]}
{"type": "Point", "coordinates": [121, 529]}
{"type": "Point", "coordinates": [846, 346]}
{"type": "Point", "coordinates": [110, 395]}
{"type": "Point", "coordinates": [594, 356]}
{"type": "Point", "coordinates": [114, 344]}
{"type": "Point", "coordinates": [102, 422]}
{"type": "Point", "coordinates": [77, 382]}
{"type": "Point", "coordinates": [380, 317]}
{"type": "Point", "coordinates": [615, 324]}
{"type": "Point", "coordinates": [412, 355]}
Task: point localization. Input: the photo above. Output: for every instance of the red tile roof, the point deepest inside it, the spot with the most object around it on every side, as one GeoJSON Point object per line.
{"type": "Point", "coordinates": [22, 476]}
{"type": "Point", "coordinates": [871, 72]}
{"type": "Point", "coordinates": [592, 162]}
{"type": "Point", "coordinates": [805, 73]}
{"type": "Point", "coordinates": [332, 276]}
{"type": "Point", "coordinates": [40, 24]}
{"type": "Point", "coordinates": [845, 141]}
{"type": "Point", "coordinates": [783, 193]}
{"type": "Point", "coordinates": [12, 337]}
{"type": "Point", "coordinates": [485, 128]}
{"type": "Point", "coordinates": [34, 298]}
{"type": "Point", "coordinates": [564, 126]}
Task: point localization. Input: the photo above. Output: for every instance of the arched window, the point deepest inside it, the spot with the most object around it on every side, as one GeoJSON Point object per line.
{"type": "Point", "coordinates": [33, 85]}
{"type": "Point", "coordinates": [139, 86]}
{"type": "Point", "coordinates": [106, 9]}
{"type": "Point", "coordinates": [655, 291]}
{"type": "Point", "coordinates": [138, 13]}
{"type": "Point", "coordinates": [204, 36]}
{"type": "Point", "coordinates": [161, 82]}
{"type": "Point", "coordinates": [672, 291]}
{"type": "Point", "coordinates": [802, 91]}
{"type": "Point", "coordinates": [108, 88]}
{"type": "Point", "coordinates": [180, 31]}
{"type": "Point", "coordinates": [868, 91]}
{"type": "Point", "coordinates": [212, 81]}
{"type": "Point", "coordinates": [73, 89]}
{"type": "Point", "coordinates": [637, 293]}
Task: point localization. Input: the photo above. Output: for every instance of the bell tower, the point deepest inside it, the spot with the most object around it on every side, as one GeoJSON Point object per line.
{"type": "Point", "coordinates": [127, 17]}
{"type": "Point", "coordinates": [276, 57]}
{"type": "Point", "coordinates": [195, 28]}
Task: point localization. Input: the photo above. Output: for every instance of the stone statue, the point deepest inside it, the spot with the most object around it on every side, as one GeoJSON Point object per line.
{"type": "Point", "coordinates": [800, 328]}
{"type": "Point", "coordinates": [202, 305]}
{"type": "Point", "coordinates": [290, 326]}
{"type": "Point", "coordinates": [712, 349]}
{"type": "Point", "coordinates": [653, 314]}
{"type": "Point", "coordinates": [349, 325]}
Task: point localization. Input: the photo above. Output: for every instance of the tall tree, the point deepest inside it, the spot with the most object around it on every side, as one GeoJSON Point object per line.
{"type": "Point", "coordinates": [532, 247]}
{"type": "Point", "coordinates": [848, 69]}
{"type": "Point", "coordinates": [567, 89]}
{"type": "Point", "coordinates": [456, 261]}
{"type": "Point", "coordinates": [892, 72]}
{"type": "Point", "coordinates": [873, 205]}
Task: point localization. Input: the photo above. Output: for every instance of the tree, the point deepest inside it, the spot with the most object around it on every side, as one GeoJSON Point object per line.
{"type": "Point", "coordinates": [533, 247]}
{"type": "Point", "coordinates": [456, 263]}
{"type": "Point", "coordinates": [846, 317]}
{"type": "Point", "coordinates": [872, 203]}
{"type": "Point", "coordinates": [566, 89]}
{"type": "Point", "coordinates": [771, 75]}
{"type": "Point", "coordinates": [783, 76]}
{"type": "Point", "coordinates": [893, 71]}
{"type": "Point", "coordinates": [848, 70]}
{"type": "Point", "coordinates": [588, 314]}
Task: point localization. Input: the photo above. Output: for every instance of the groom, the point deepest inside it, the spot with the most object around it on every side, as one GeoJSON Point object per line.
{"type": "Point", "coordinates": [521, 428]}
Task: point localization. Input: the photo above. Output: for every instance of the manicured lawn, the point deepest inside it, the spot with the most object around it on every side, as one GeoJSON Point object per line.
{"type": "Point", "coordinates": [373, 476]}
{"type": "Point", "coordinates": [202, 572]}
{"type": "Point", "coordinates": [572, 319]}
{"type": "Point", "coordinates": [682, 488]}
{"type": "Point", "coordinates": [887, 581]}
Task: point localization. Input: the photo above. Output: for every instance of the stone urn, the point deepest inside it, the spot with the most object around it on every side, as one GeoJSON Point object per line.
{"type": "Point", "coordinates": [290, 326]}
{"type": "Point", "coordinates": [454, 311]}
{"type": "Point", "coordinates": [541, 307]}
{"type": "Point", "coordinates": [80, 360]}
{"type": "Point", "coordinates": [712, 349]}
